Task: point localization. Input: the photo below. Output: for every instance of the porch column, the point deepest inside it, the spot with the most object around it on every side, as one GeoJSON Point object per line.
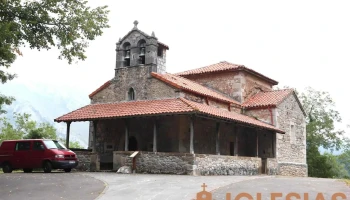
{"type": "Point", "coordinates": [155, 136]}
{"type": "Point", "coordinates": [94, 133]}
{"type": "Point", "coordinates": [218, 138]}
{"type": "Point", "coordinates": [257, 143]}
{"type": "Point", "coordinates": [191, 135]}
{"type": "Point", "coordinates": [126, 136]}
{"type": "Point", "coordinates": [67, 134]}
{"type": "Point", "coordinates": [236, 141]}
{"type": "Point", "coordinates": [273, 143]}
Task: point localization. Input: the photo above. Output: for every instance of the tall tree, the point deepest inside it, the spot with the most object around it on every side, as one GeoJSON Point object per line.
{"type": "Point", "coordinates": [42, 24]}
{"type": "Point", "coordinates": [321, 118]}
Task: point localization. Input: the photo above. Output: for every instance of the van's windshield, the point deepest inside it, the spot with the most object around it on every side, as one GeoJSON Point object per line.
{"type": "Point", "coordinates": [52, 144]}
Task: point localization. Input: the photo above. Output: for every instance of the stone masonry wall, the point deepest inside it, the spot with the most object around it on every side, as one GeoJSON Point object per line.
{"type": "Point", "coordinates": [291, 146]}
{"type": "Point", "coordinates": [252, 85]}
{"type": "Point", "coordinates": [228, 83]}
{"type": "Point", "coordinates": [84, 159]}
{"type": "Point", "coordinates": [138, 78]}
{"type": "Point", "coordinates": [292, 169]}
{"type": "Point", "coordinates": [260, 114]}
{"type": "Point", "coordinates": [156, 162]}
{"type": "Point", "coordinates": [227, 165]}
{"type": "Point", "coordinates": [271, 166]}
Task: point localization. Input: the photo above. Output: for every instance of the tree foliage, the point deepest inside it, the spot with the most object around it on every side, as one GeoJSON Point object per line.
{"type": "Point", "coordinates": [321, 118]}
{"type": "Point", "coordinates": [42, 24]}
{"type": "Point", "coordinates": [25, 128]}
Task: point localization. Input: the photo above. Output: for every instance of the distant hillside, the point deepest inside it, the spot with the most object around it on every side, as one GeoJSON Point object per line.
{"type": "Point", "coordinates": [47, 102]}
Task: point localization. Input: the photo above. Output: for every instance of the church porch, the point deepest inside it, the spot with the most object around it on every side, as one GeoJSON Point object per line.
{"type": "Point", "coordinates": [181, 143]}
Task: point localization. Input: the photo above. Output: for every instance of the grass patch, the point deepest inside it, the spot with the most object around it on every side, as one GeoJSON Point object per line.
{"type": "Point", "coordinates": [347, 182]}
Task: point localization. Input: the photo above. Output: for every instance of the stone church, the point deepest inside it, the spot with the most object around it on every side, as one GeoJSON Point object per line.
{"type": "Point", "coordinates": [220, 119]}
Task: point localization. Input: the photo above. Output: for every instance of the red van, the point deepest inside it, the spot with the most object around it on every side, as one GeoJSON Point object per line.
{"type": "Point", "coordinates": [36, 153]}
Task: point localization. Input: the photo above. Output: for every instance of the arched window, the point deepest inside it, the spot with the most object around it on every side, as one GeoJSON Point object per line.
{"type": "Point", "coordinates": [142, 48]}
{"type": "Point", "coordinates": [126, 48]}
{"type": "Point", "coordinates": [131, 94]}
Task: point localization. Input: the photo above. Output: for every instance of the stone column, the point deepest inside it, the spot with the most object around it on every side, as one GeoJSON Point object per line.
{"type": "Point", "coordinates": [191, 135]}
{"type": "Point", "coordinates": [67, 135]}
{"type": "Point", "coordinates": [126, 136]}
{"type": "Point", "coordinates": [218, 138]}
{"type": "Point", "coordinates": [94, 133]}
{"type": "Point", "coordinates": [155, 136]}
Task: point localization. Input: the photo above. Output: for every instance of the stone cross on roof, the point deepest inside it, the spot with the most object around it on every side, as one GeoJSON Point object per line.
{"type": "Point", "coordinates": [135, 24]}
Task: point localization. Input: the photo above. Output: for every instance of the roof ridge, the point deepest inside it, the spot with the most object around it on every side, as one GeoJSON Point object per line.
{"type": "Point", "coordinates": [188, 103]}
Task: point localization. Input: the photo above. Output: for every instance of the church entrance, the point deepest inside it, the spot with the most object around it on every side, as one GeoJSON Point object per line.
{"type": "Point", "coordinates": [132, 144]}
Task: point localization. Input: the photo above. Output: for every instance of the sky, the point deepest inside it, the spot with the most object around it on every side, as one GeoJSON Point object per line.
{"type": "Point", "coordinates": [298, 43]}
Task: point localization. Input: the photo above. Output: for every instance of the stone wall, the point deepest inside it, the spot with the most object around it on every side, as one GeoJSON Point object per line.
{"type": "Point", "coordinates": [264, 115]}
{"type": "Point", "coordinates": [228, 83]}
{"type": "Point", "coordinates": [88, 161]}
{"type": "Point", "coordinates": [252, 84]}
{"type": "Point", "coordinates": [292, 169]}
{"type": "Point", "coordinates": [291, 146]}
{"type": "Point", "coordinates": [189, 164]}
{"type": "Point", "coordinates": [84, 159]}
{"type": "Point", "coordinates": [271, 166]}
{"type": "Point", "coordinates": [227, 165]}
{"type": "Point", "coordinates": [156, 162]}
{"type": "Point", "coordinates": [138, 78]}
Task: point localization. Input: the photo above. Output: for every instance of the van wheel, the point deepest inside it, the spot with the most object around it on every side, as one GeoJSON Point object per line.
{"type": "Point", "coordinates": [68, 170]}
{"type": "Point", "coordinates": [6, 168]}
{"type": "Point", "coordinates": [27, 170]}
{"type": "Point", "coordinates": [47, 167]}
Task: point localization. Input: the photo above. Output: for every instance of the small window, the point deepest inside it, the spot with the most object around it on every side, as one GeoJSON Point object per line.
{"type": "Point", "coordinates": [160, 52]}
{"type": "Point", "coordinates": [22, 146]}
{"type": "Point", "coordinates": [37, 145]}
{"type": "Point", "coordinates": [131, 94]}
{"type": "Point", "coordinates": [292, 134]}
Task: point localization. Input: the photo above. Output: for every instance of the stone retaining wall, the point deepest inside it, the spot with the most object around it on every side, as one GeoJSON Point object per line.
{"type": "Point", "coordinates": [292, 169]}
{"type": "Point", "coordinates": [271, 166]}
{"type": "Point", "coordinates": [227, 165]}
{"type": "Point", "coordinates": [84, 158]}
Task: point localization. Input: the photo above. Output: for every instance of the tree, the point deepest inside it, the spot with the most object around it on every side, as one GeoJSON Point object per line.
{"type": "Point", "coordinates": [320, 118]}
{"type": "Point", "coordinates": [42, 24]}
{"type": "Point", "coordinates": [25, 128]}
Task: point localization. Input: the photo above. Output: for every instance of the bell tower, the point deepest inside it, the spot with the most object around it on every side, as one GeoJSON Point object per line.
{"type": "Point", "coordinates": [138, 49]}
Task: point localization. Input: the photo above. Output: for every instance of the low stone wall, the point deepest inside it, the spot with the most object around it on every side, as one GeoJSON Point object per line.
{"type": "Point", "coordinates": [226, 165]}
{"type": "Point", "coordinates": [84, 157]}
{"type": "Point", "coordinates": [271, 166]}
{"type": "Point", "coordinates": [121, 158]}
{"type": "Point", "coordinates": [292, 169]}
{"type": "Point", "coordinates": [155, 162]}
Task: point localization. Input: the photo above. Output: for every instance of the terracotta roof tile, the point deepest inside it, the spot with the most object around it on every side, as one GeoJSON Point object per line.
{"type": "Point", "coordinates": [105, 85]}
{"type": "Point", "coordinates": [224, 66]}
{"type": "Point", "coordinates": [209, 110]}
{"type": "Point", "coordinates": [124, 109]}
{"type": "Point", "coordinates": [193, 87]}
{"type": "Point", "coordinates": [156, 107]}
{"type": "Point", "coordinates": [266, 99]}
{"type": "Point", "coordinates": [164, 45]}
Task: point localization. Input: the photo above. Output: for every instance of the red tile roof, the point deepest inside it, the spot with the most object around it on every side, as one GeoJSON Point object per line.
{"type": "Point", "coordinates": [193, 87]}
{"type": "Point", "coordinates": [220, 113]}
{"type": "Point", "coordinates": [105, 85]}
{"type": "Point", "coordinates": [157, 107]}
{"type": "Point", "coordinates": [267, 99]}
{"type": "Point", "coordinates": [224, 66]}
{"type": "Point", "coordinates": [164, 45]}
{"type": "Point", "coordinates": [125, 109]}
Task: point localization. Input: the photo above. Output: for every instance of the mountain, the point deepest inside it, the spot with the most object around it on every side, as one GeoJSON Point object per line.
{"type": "Point", "coordinates": [46, 102]}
